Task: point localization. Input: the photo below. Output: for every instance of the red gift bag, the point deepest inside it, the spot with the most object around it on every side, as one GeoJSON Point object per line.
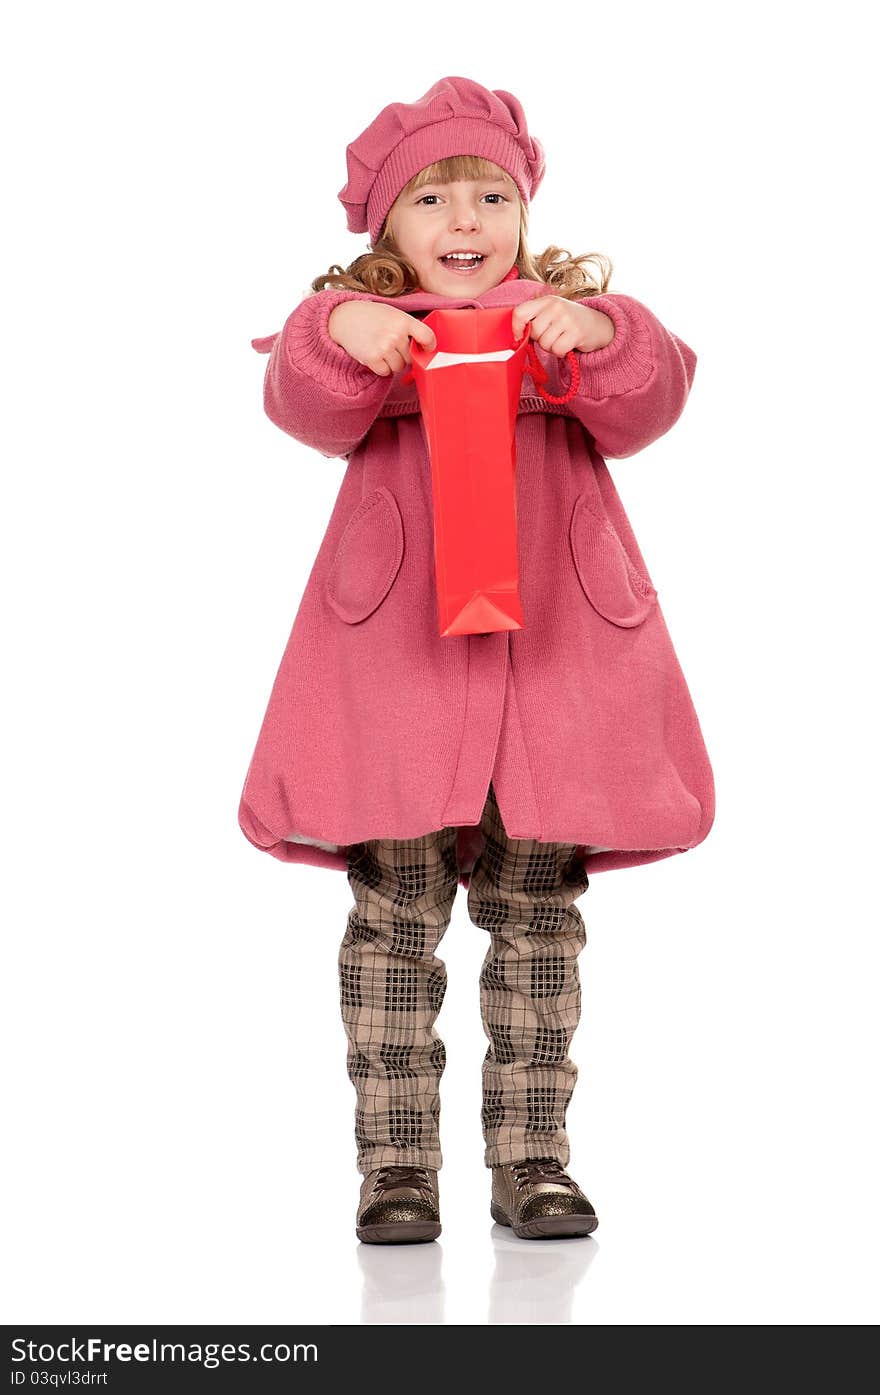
{"type": "Point", "coordinates": [469, 389]}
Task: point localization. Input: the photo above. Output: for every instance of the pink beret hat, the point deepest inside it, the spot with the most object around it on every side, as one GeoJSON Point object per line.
{"type": "Point", "coordinates": [455, 117]}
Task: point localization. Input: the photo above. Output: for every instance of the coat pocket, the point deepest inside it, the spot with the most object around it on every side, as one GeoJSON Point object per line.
{"type": "Point", "coordinates": [368, 557]}
{"type": "Point", "coordinates": [610, 580]}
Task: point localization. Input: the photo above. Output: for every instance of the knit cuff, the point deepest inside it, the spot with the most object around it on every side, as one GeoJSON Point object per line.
{"type": "Point", "coordinates": [628, 361]}
{"type": "Point", "coordinates": [310, 349]}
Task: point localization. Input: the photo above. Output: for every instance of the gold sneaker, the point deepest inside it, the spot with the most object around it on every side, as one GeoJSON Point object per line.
{"type": "Point", "coordinates": [539, 1201]}
{"type": "Point", "coordinates": [399, 1205]}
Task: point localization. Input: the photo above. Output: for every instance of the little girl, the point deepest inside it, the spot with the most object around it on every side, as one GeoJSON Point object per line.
{"type": "Point", "coordinates": [513, 762]}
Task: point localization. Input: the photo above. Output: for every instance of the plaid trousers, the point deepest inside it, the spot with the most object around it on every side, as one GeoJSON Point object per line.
{"type": "Point", "coordinates": [392, 985]}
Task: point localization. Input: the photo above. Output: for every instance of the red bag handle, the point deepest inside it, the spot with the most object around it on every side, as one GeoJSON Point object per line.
{"type": "Point", "coordinates": [538, 374]}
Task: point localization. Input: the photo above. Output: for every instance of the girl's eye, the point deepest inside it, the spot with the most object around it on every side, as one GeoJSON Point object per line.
{"type": "Point", "coordinates": [434, 196]}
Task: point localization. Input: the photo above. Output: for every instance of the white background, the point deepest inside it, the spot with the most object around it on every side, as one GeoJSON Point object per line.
{"type": "Point", "coordinates": [180, 1123]}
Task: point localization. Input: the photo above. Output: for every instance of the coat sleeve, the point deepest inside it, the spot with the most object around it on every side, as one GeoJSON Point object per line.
{"type": "Point", "coordinates": [313, 389]}
{"type": "Point", "coordinates": [634, 389]}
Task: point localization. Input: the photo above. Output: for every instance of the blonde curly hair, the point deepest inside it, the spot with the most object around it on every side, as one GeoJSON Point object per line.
{"type": "Point", "coordinates": [384, 270]}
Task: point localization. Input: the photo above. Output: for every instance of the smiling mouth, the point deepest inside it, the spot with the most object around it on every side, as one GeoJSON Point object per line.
{"type": "Point", "coordinates": [459, 265]}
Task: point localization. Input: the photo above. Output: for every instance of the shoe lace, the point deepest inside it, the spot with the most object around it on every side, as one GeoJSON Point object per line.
{"type": "Point", "coordinates": [535, 1170]}
{"type": "Point", "coordinates": [401, 1176]}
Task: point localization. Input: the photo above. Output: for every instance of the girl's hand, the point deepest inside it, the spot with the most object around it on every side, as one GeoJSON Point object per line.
{"type": "Point", "coordinates": [561, 325]}
{"type": "Point", "coordinates": [377, 335]}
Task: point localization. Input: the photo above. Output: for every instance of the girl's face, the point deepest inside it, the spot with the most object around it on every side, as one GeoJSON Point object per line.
{"type": "Point", "coordinates": [476, 215]}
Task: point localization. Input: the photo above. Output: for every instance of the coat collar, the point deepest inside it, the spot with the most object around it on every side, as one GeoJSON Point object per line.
{"type": "Point", "coordinates": [513, 290]}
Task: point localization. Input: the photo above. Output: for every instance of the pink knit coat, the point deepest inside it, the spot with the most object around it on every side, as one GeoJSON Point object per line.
{"type": "Point", "coordinates": [378, 727]}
